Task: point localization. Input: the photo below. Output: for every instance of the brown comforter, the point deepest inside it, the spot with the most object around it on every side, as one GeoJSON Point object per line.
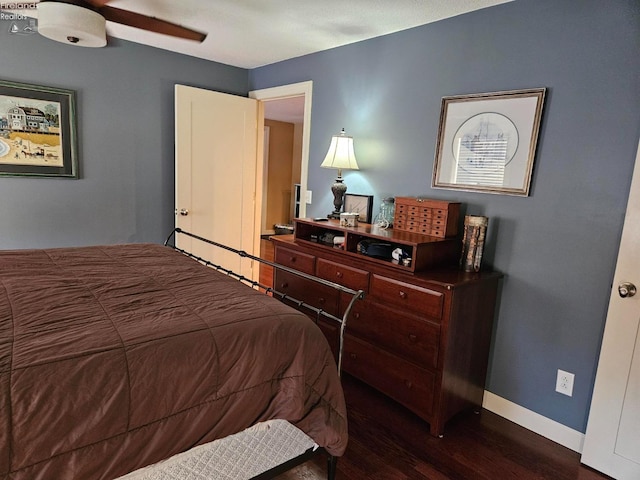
{"type": "Point", "coordinates": [115, 357]}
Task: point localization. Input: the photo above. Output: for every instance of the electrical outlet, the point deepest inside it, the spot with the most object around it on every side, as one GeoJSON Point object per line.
{"type": "Point", "coordinates": [564, 383]}
{"type": "Point", "coordinates": [309, 196]}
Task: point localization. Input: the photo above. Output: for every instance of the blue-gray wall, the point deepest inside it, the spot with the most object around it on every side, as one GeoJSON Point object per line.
{"type": "Point", "coordinates": [126, 138]}
{"type": "Point", "coordinates": [558, 246]}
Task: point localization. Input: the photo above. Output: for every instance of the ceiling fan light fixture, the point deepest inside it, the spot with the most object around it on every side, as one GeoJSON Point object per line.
{"type": "Point", "coordinates": [71, 24]}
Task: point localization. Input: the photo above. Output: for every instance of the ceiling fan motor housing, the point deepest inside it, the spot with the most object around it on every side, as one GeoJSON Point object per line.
{"type": "Point", "coordinates": [71, 23]}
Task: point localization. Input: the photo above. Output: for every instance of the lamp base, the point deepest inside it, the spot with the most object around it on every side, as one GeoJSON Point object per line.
{"type": "Point", "coordinates": [338, 189]}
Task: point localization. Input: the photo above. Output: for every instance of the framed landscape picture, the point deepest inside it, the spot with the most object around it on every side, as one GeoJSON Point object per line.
{"type": "Point", "coordinates": [37, 131]}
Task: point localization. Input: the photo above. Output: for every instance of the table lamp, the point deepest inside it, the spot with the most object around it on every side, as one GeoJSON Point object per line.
{"type": "Point", "coordinates": [340, 156]}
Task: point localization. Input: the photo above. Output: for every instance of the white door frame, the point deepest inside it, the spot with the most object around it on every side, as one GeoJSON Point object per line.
{"type": "Point", "coordinates": [606, 448]}
{"type": "Point", "coordinates": [287, 91]}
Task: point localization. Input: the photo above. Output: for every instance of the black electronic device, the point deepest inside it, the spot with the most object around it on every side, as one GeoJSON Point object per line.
{"type": "Point", "coordinates": [327, 238]}
{"type": "Point", "coordinates": [381, 250]}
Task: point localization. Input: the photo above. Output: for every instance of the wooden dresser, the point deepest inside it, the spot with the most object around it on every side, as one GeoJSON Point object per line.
{"type": "Point", "coordinates": [423, 332]}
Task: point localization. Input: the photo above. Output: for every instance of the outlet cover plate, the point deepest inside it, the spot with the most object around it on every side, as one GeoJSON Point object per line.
{"type": "Point", "coordinates": [564, 383]}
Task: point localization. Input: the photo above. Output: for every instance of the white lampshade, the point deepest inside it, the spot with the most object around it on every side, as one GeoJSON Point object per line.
{"type": "Point", "coordinates": [71, 24]}
{"type": "Point", "coordinates": [340, 154]}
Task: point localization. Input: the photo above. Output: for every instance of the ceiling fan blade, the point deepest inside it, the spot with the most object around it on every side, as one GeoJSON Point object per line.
{"type": "Point", "coordinates": [98, 3]}
{"type": "Point", "coordinates": [151, 24]}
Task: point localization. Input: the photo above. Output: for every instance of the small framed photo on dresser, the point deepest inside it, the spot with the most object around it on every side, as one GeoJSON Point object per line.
{"type": "Point", "coordinates": [360, 204]}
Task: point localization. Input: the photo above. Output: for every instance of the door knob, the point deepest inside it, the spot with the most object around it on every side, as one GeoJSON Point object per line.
{"type": "Point", "coordinates": [627, 289]}
{"type": "Point", "coordinates": [184, 212]}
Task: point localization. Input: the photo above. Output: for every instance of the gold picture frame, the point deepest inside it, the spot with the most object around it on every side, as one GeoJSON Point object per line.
{"type": "Point", "coordinates": [487, 141]}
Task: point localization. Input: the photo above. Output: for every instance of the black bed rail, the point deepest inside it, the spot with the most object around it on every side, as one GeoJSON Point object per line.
{"type": "Point", "coordinates": [355, 294]}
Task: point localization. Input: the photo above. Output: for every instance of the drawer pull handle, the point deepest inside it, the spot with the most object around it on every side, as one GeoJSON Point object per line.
{"type": "Point", "coordinates": [339, 274]}
{"type": "Point", "coordinates": [413, 337]}
{"type": "Point", "coordinates": [353, 355]}
{"type": "Point", "coordinates": [403, 295]}
{"type": "Point", "coordinates": [321, 301]}
{"type": "Point", "coordinates": [292, 259]}
{"type": "Point", "coordinates": [284, 285]}
{"type": "Point", "coordinates": [408, 384]}
{"type": "Point", "coordinates": [356, 315]}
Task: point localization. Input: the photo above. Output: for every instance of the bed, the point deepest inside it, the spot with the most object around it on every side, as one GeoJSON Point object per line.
{"type": "Point", "coordinates": [113, 358]}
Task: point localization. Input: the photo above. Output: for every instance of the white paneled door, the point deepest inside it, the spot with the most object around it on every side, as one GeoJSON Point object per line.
{"type": "Point", "coordinates": [612, 442]}
{"type": "Point", "coordinates": [218, 175]}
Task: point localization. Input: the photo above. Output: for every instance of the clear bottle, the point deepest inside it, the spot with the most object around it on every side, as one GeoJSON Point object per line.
{"type": "Point", "coordinates": [387, 212]}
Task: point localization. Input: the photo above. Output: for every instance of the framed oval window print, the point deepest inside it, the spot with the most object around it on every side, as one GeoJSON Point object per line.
{"type": "Point", "coordinates": [487, 141]}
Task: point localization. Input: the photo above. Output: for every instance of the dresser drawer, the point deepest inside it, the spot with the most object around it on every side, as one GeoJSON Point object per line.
{"type": "Point", "coordinates": [406, 296]}
{"type": "Point", "coordinates": [417, 222]}
{"type": "Point", "coordinates": [308, 291]}
{"type": "Point", "coordinates": [423, 229]}
{"type": "Point", "coordinates": [348, 276]}
{"type": "Point", "coordinates": [399, 222]}
{"type": "Point", "coordinates": [300, 261]}
{"type": "Point", "coordinates": [407, 337]}
{"type": "Point", "coordinates": [403, 381]}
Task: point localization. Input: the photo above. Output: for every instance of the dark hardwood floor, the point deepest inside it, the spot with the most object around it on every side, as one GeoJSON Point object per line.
{"type": "Point", "coordinates": [388, 442]}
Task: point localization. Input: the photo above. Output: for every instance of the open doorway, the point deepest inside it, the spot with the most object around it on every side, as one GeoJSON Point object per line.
{"type": "Point", "coordinates": [287, 112]}
{"type": "Point", "coordinates": [283, 124]}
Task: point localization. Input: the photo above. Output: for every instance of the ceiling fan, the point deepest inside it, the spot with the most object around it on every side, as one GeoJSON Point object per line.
{"type": "Point", "coordinates": [82, 22]}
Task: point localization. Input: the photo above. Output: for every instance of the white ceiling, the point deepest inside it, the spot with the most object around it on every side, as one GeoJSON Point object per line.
{"type": "Point", "coordinates": [252, 33]}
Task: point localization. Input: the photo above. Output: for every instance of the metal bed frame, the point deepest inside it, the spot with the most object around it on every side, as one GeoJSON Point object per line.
{"type": "Point", "coordinates": [355, 296]}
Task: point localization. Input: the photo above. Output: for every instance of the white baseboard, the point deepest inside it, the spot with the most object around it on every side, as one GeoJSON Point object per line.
{"type": "Point", "coordinates": [533, 421]}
